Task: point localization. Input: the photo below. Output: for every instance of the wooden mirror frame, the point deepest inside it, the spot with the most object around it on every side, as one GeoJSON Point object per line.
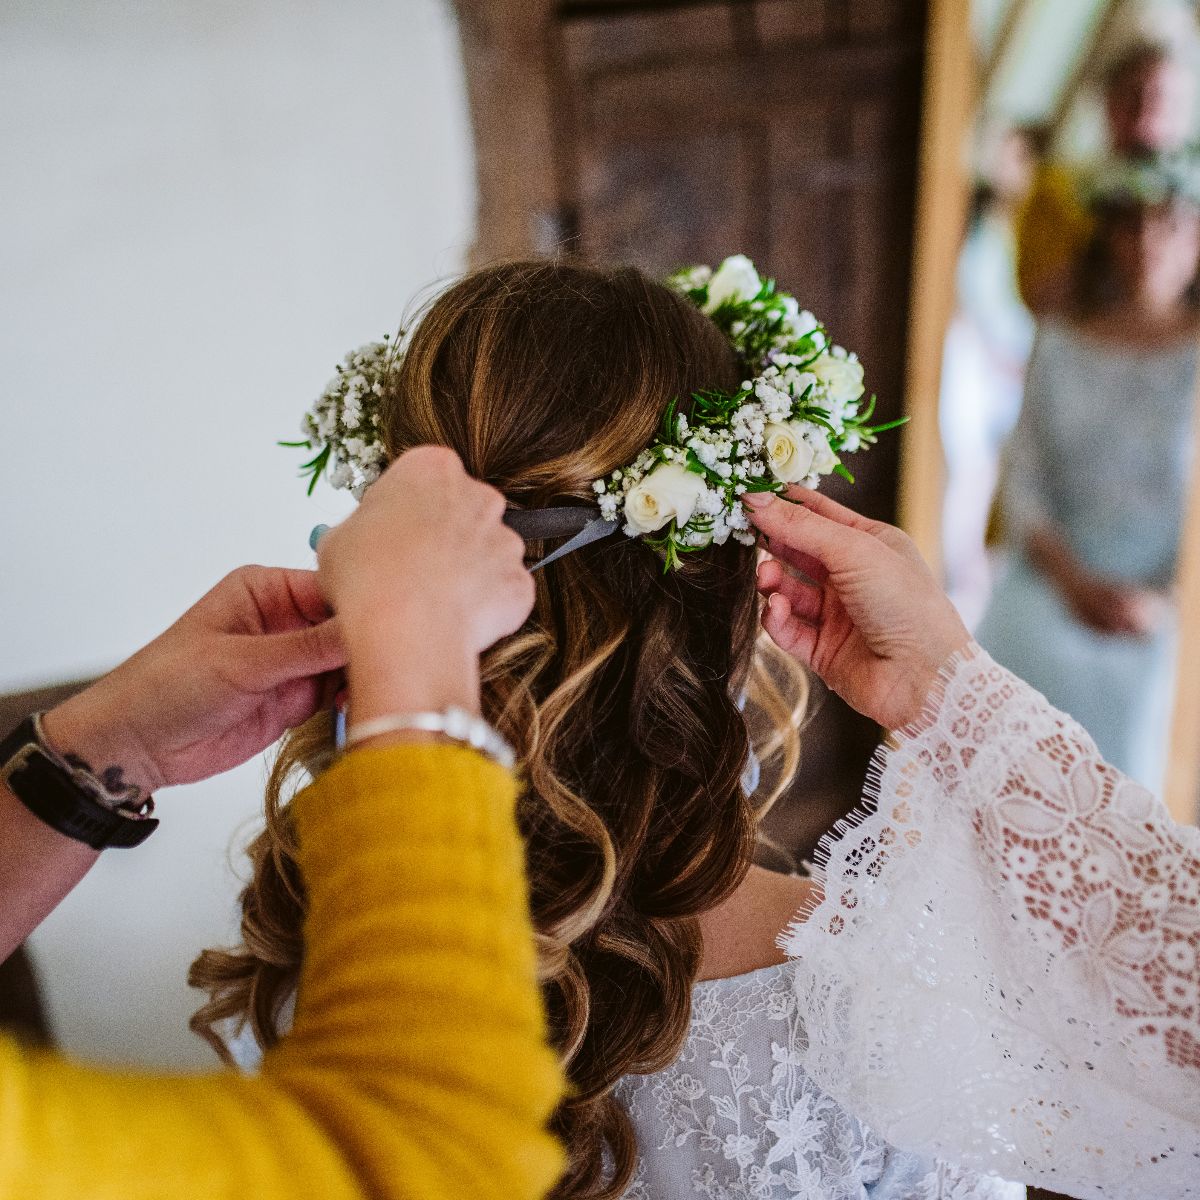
{"type": "Point", "coordinates": [943, 192]}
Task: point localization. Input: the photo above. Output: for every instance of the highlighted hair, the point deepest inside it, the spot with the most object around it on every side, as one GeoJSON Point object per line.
{"type": "Point", "coordinates": [622, 693]}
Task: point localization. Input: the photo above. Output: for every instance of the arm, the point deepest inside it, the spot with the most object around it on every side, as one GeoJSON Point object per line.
{"type": "Point", "coordinates": [417, 1066]}
{"type": "Point", "coordinates": [1002, 970]}
{"type": "Point", "coordinates": [255, 656]}
{"type": "Point", "coordinates": [38, 867]}
{"type": "Point", "coordinates": [1053, 230]}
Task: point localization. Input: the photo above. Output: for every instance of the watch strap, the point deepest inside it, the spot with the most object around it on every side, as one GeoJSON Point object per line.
{"type": "Point", "coordinates": [49, 792]}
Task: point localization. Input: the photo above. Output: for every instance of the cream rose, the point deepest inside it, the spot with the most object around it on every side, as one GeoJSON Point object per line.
{"type": "Point", "coordinates": [843, 377]}
{"type": "Point", "coordinates": [669, 492]}
{"type": "Point", "coordinates": [789, 454]}
{"type": "Point", "coordinates": [734, 279]}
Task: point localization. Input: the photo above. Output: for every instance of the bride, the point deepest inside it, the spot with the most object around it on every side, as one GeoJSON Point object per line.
{"type": "Point", "coordinates": [637, 698]}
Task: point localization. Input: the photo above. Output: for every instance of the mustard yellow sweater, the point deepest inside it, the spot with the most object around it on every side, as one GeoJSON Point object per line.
{"type": "Point", "coordinates": [416, 1067]}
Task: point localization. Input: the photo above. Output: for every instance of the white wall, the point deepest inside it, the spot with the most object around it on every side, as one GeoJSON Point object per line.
{"type": "Point", "coordinates": [203, 205]}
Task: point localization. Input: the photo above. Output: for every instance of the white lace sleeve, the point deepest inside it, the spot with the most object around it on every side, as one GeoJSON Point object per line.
{"type": "Point", "coordinates": [1004, 970]}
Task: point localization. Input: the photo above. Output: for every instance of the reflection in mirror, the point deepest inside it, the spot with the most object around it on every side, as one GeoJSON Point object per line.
{"type": "Point", "coordinates": [1070, 362]}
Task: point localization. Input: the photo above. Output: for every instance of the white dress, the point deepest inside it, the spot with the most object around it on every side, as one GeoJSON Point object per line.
{"type": "Point", "coordinates": [1003, 974]}
{"type": "Point", "coordinates": [1005, 966]}
{"type": "Point", "coordinates": [736, 1116]}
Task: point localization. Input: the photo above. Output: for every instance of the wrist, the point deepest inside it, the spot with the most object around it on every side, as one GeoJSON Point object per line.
{"type": "Point", "coordinates": [83, 731]}
{"type": "Point", "coordinates": [403, 672]}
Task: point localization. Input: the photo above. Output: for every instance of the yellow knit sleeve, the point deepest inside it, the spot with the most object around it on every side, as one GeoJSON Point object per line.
{"type": "Point", "coordinates": [1053, 230]}
{"type": "Point", "coordinates": [417, 1066]}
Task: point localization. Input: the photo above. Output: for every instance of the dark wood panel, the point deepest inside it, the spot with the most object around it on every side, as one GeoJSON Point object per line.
{"type": "Point", "coordinates": [668, 133]}
{"type": "Point", "coordinates": [665, 202]}
{"type": "Point", "coordinates": [16, 706]}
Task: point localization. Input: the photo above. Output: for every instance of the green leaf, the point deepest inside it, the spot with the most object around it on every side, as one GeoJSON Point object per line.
{"type": "Point", "coordinates": [841, 470]}
{"type": "Point", "coordinates": [811, 415]}
{"type": "Point", "coordinates": [305, 445]}
{"type": "Point", "coordinates": [889, 425]}
{"type": "Point", "coordinates": [669, 428]}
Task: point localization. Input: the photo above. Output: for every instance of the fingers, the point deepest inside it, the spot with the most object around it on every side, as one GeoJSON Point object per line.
{"type": "Point", "coordinates": [807, 600]}
{"type": "Point", "coordinates": [831, 510]}
{"type": "Point", "coordinates": [264, 600]}
{"type": "Point", "coordinates": [792, 528]}
{"type": "Point", "coordinates": [270, 660]}
{"type": "Point", "coordinates": [808, 566]}
{"type": "Point", "coordinates": [791, 634]}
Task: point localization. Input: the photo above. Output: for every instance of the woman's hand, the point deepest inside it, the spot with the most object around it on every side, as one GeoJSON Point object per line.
{"type": "Point", "coordinates": [424, 577]}
{"type": "Point", "coordinates": [1105, 606]}
{"type": "Point", "coordinates": [252, 658]}
{"type": "Point", "coordinates": [853, 600]}
{"type": "Point", "coordinates": [1102, 605]}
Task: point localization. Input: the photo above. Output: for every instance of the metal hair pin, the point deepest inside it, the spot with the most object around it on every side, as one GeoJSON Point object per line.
{"type": "Point", "coordinates": [582, 524]}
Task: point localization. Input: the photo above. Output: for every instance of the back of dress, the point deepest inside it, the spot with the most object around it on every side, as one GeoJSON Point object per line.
{"type": "Point", "coordinates": [735, 1117]}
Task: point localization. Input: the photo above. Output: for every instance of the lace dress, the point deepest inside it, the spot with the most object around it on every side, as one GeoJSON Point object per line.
{"type": "Point", "coordinates": [1005, 965]}
{"type": "Point", "coordinates": [1003, 974]}
{"type": "Point", "coordinates": [736, 1117]}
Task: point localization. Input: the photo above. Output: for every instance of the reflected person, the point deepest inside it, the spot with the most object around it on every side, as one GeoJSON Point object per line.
{"type": "Point", "coordinates": [1149, 94]}
{"type": "Point", "coordinates": [1097, 474]}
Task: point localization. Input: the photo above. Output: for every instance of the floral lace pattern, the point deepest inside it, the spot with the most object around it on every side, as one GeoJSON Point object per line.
{"type": "Point", "coordinates": [1005, 965]}
{"type": "Point", "coordinates": [735, 1117]}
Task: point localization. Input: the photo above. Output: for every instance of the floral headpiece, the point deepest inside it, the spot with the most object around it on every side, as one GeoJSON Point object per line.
{"type": "Point", "coordinates": [789, 423]}
{"type": "Point", "coordinates": [1147, 182]}
{"type": "Point", "coordinates": [797, 413]}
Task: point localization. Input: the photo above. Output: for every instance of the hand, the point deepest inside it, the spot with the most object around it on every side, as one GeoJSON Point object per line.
{"type": "Point", "coordinates": [1113, 608]}
{"type": "Point", "coordinates": [869, 618]}
{"type": "Point", "coordinates": [424, 577]}
{"type": "Point", "coordinates": [251, 659]}
{"type": "Point", "coordinates": [1103, 605]}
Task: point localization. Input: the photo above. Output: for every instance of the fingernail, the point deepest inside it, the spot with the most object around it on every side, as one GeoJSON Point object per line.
{"type": "Point", "coordinates": [758, 499]}
{"type": "Point", "coordinates": [319, 531]}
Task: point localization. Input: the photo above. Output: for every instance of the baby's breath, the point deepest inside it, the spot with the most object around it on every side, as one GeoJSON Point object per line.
{"type": "Point", "coordinates": [342, 426]}
{"type": "Point", "coordinates": [791, 421]}
{"type": "Point", "coordinates": [798, 412]}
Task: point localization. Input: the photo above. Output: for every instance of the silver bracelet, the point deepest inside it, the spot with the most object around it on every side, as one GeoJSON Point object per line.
{"type": "Point", "coordinates": [455, 723]}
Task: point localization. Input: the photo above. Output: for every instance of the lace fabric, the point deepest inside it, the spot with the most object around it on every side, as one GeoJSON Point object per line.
{"type": "Point", "coordinates": [1005, 963]}
{"type": "Point", "coordinates": [736, 1117]}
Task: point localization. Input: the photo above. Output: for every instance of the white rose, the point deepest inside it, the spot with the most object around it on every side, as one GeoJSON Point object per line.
{"type": "Point", "coordinates": [789, 454]}
{"type": "Point", "coordinates": [843, 377]}
{"type": "Point", "coordinates": [669, 492]}
{"type": "Point", "coordinates": [735, 279]}
{"type": "Point", "coordinates": [823, 457]}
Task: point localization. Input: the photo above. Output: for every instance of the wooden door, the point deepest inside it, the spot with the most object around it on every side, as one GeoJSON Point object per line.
{"type": "Point", "coordinates": [669, 133]}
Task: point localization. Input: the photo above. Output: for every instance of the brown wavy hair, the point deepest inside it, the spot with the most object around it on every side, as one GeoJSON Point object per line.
{"type": "Point", "coordinates": [622, 693]}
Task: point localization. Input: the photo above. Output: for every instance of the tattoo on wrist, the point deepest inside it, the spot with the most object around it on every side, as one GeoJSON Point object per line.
{"type": "Point", "coordinates": [118, 793]}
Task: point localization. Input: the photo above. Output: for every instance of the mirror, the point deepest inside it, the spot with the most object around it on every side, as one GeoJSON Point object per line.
{"type": "Point", "coordinates": [1068, 355]}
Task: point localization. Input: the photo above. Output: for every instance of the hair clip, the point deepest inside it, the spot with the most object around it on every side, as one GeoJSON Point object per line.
{"type": "Point", "coordinates": [584, 525]}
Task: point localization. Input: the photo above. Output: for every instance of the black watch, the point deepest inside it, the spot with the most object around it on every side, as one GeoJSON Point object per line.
{"type": "Point", "coordinates": [55, 794]}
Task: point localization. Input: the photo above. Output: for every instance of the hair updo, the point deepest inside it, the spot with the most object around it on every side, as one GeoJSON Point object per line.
{"type": "Point", "coordinates": [623, 693]}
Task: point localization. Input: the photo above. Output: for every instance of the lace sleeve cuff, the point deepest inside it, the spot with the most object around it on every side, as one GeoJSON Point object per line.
{"type": "Point", "coordinates": [1003, 969]}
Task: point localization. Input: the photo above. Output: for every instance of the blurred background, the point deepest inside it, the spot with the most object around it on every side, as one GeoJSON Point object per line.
{"type": "Point", "coordinates": [1068, 381]}
{"type": "Point", "coordinates": [208, 203]}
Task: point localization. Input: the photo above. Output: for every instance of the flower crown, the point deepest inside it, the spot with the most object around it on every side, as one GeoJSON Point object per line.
{"type": "Point", "coordinates": [1147, 182]}
{"type": "Point", "coordinates": [790, 422]}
